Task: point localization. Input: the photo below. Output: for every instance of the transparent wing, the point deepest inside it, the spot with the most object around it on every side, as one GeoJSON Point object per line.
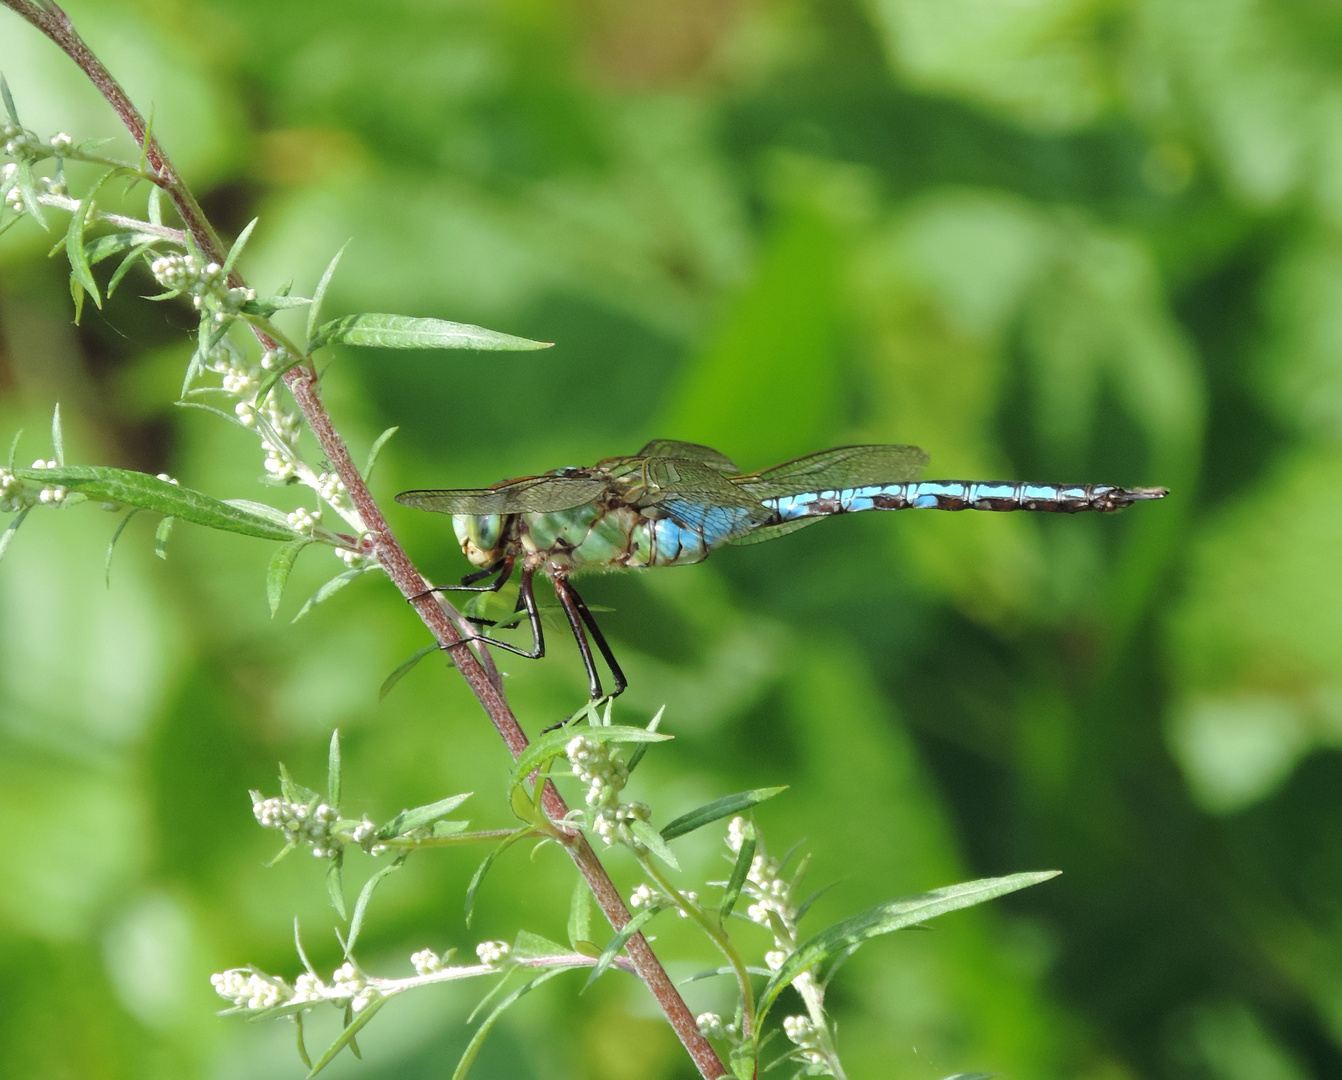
{"type": "Point", "coordinates": [843, 467]}
{"type": "Point", "coordinates": [674, 448]}
{"type": "Point", "coordinates": [532, 494]}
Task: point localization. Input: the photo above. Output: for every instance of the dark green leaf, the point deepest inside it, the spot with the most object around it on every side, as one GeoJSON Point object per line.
{"type": "Point", "coordinates": [718, 809]}
{"type": "Point", "coordinates": [403, 332]}
{"type": "Point", "coordinates": [404, 668]}
{"type": "Point", "coordinates": [121, 526]}
{"type": "Point", "coordinates": [421, 817]}
{"type": "Point", "coordinates": [551, 744]}
{"type": "Point", "coordinates": [366, 894]}
{"type": "Point", "coordinates": [740, 870]}
{"type": "Point", "coordinates": [617, 943]}
{"type": "Point", "coordinates": [319, 295]}
{"type": "Point", "coordinates": [74, 251]}
{"type": "Point", "coordinates": [890, 916]}
{"type": "Point", "coordinates": [651, 839]}
{"type": "Point", "coordinates": [277, 575]}
{"type": "Point", "coordinates": [346, 1037]}
{"type": "Point", "coordinates": [150, 493]}
{"type": "Point", "coordinates": [477, 1040]}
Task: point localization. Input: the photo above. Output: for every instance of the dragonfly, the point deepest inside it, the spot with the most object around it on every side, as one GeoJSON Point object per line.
{"type": "Point", "coordinates": [673, 503]}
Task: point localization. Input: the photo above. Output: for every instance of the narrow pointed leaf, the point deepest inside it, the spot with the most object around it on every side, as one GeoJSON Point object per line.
{"type": "Point", "coordinates": [890, 916]}
{"type": "Point", "coordinates": [28, 192]}
{"type": "Point", "coordinates": [642, 748]}
{"type": "Point", "coordinates": [161, 535]}
{"type": "Point", "coordinates": [346, 1037]}
{"type": "Point", "coordinates": [483, 869]}
{"type": "Point", "coordinates": [366, 894]}
{"type": "Point", "coordinates": [329, 590]}
{"type": "Point", "coordinates": [121, 526]}
{"type": "Point", "coordinates": [551, 744]}
{"type": "Point", "coordinates": [335, 885]}
{"type": "Point", "coordinates": [580, 915]}
{"type": "Point", "coordinates": [333, 770]}
{"type": "Point", "coordinates": [314, 313]}
{"type": "Point", "coordinates": [7, 536]}
{"type": "Point", "coordinates": [8, 99]}
{"type": "Point", "coordinates": [404, 669]}
{"type": "Point", "coordinates": [236, 250]}
{"type": "Point", "coordinates": [277, 575]}
{"type": "Point", "coordinates": [74, 251]}
{"type": "Point", "coordinates": [718, 809]}
{"type": "Point", "coordinates": [302, 1046]}
{"type": "Point", "coordinates": [273, 377]}
{"type": "Point", "coordinates": [124, 267]}
{"type": "Point", "coordinates": [57, 436]}
{"type": "Point", "coordinates": [617, 944]}
{"type": "Point", "coordinates": [421, 817]}
{"type": "Point", "coordinates": [376, 449]}
{"type": "Point", "coordinates": [740, 870]}
{"type": "Point", "coordinates": [150, 493]}
{"type": "Point", "coordinates": [651, 839]}
{"type": "Point", "coordinates": [404, 332]}
{"type": "Point", "coordinates": [529, 946]}
{"type": "Point", "coordinates": [477, 1040]}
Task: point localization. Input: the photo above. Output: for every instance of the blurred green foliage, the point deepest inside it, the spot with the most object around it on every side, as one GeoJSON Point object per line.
{"type": "Point", "coordinates": [1067, 240]}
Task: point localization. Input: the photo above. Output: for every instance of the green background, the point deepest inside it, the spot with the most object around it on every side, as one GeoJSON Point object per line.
{"type": "Point", "coordinates": [1069, 241]}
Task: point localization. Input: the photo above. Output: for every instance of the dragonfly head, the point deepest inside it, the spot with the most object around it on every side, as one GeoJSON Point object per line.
{"type": "Point", "coordinates": [479, 536]}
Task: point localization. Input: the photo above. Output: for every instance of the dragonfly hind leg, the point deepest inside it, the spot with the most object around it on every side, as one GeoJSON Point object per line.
{"type": "Point", "coordinates": [581, 621]}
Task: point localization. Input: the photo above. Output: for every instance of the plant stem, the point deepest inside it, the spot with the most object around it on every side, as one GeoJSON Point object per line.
{"type": "Point", "coordinates": [302, 383]}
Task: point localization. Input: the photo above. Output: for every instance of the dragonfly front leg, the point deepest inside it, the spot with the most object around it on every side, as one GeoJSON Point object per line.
{"type": "Point", "coordinates": [526, 597]}
{"type": "Point", "coordinates": [578, 618]}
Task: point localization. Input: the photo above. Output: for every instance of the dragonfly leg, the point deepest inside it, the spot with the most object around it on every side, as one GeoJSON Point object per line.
{"type": "Point", "coordinates": [579, 617]}
{"type": "Point", "coordinates": [526, 598]}
{"type": "Point", "coordinates": [503, 567]}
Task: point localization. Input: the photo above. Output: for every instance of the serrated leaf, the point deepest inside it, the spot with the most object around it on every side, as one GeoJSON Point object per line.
{"type": "Point", "coordinates": [366, 894]}
{"type": "Point", "coordinates": [477, 1040]}
{"type": "Point", "coordinates": [329, 590]}
{"type": "Point", "coordinates": [740, 870]}
{"type": "Point", "coordinates": [376, 449]}
{"type": "Point", "coordinates": [277, 574]}
{"type": "Point", "coordinates": [161, 535]}
{"type": "Point", "coordinates": [617, 943]}
{"type": "Point", "coordinates": [580, 914]}
{"type": "Point", "coordinates": [150, 493]}
{"type": "Point", "coordinates": [404, 668]}
{"type": "Point", "coordinates": [7, 536]}
{"type": "Point", "coordinates": [888, 917]}
{"type": "Point", "coordinates": [718, 809]}
{"type": "Point", "coordinates": [552, 744]}
{"type": "Point", "coordinates": [335, 884]}
{"type": "Point", "coordinates": [346, 1037]}
{"type": "Point", "coordinates": [404, 332]}
{"type": "Point", "coordinates": [319, 294]}
{"type": "Point", "coordinates": [111, 546]}
{"type": "Point", "coordinates": [231, 260]}
{"type": "Point", "coordinates": [651, 839]}
{"type": "Point", "coordinates": [420, 817]}
{"type": "Point", "coordinates": [333, 770]}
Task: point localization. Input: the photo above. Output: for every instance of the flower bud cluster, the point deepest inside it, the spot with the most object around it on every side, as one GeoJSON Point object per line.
{"type": "Point", "coordinates": [19, 142]}
{"type": "Point", "coordinates": [611, 823]}
{"type": "Point", "coordinates": [711, 1027]}
{"type": "Point", "coordinates": [807, 1036]}
{"type": "Point", "coordinates": [426, 962]}
{"type": "Point", "coordinates": [205, 283]}
{"type": "Point", "coordinates": [602, 771]}
{"type": "Point", "coordinates": [763, 884]}
{"type": "Point", "coordinates": [248, 989]}
{"type": "Point", "coordinates": [303, 520]}
{"type": "Point", "coordinates": [493, 953]}
{"type": "Point", "coordinates": [315, 826]}
{"type": "Point", "coordinates": [645, 896]}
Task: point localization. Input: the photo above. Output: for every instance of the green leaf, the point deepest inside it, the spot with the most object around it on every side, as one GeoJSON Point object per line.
{"type": "Point", "coordinates": [376, 449]}
{"type": "Point", "coordinates": [642, 748]}
{"type": "Point", "coordinates": [14, 448]}
{"type": "Point", "coordinates": [742, 1062]}
{"type": "Point", "coordinates": [483, 869]}
{"type": "Point", "coordinates": [302, 1046]}
{"type": "Point", "coordinates": [580, 915]}
{"type": "Point", "coordinates": [333, 770]}
{"type": "Point", "coordinates": [329, 590]}
{"type": "Point", "coordinates": [335, 885]}
{"type": "Point", "coordinates": [124, 267]}
{"type": "Point", "coordinates": [7, 536]}
{"type": "Point", "coordinates": [8, 99]}
{"type": "Point", "coordinates": [155, 207]}
{"type": "Point", "coordinates": [477, 1040]}
{"type": "Point", "coordinates": [57, 436]}
{"type": "Point", "coordinates": [104, 247]}
{"type": "Point", "coordinates": [404, 332]}
{"type": "Point", "coordinates": [150, 493]}
{"type": "Point", "coordinates": [529, 946]}
{"type": "Point", "coordinates": [617, 943]}
{"type": "Point", "coordinates": [314, 313]}
{"type": "Point", "coordinates": [295, 792]}
{"type": "Point", "coordinates": [551, 744]}
{"type": "Point", "coordinates": [236, 250]}
{"type": "Point", "coordinates": [112, 544]}
{"type": "Point", "coordinates": [273, 377]}
{"type": "Point", "coordinates": [366, 894]}
{"type": "Point", "coordinates": [346, 1037]}
{"type": "Point", "coordinates": [28, 191]}
{"type": "Point", "coordinates": [404, 669]}
{"type": "Point", "coordinates": [161, 535]}
{"type": "Point", "coordinates": [651, 839]}
{"type": "Point", "coordinates": [740, 870]}
{"type": "Point", "coordinates": [277, 575]}
{"type": "Point", "coordinates": [718, 809]}
{"type": "Point", "coordinates": [266, 306]}
{"type": "Point", "coordinates": [890, 916]}
{"type": "Point", "coordinates": [74, 250]}
{"type": "Point", "coordinates": [421, 817]}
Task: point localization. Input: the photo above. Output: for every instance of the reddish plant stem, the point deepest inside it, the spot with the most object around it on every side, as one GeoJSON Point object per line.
{"type": "Point", "coordinates": [302, 383]}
